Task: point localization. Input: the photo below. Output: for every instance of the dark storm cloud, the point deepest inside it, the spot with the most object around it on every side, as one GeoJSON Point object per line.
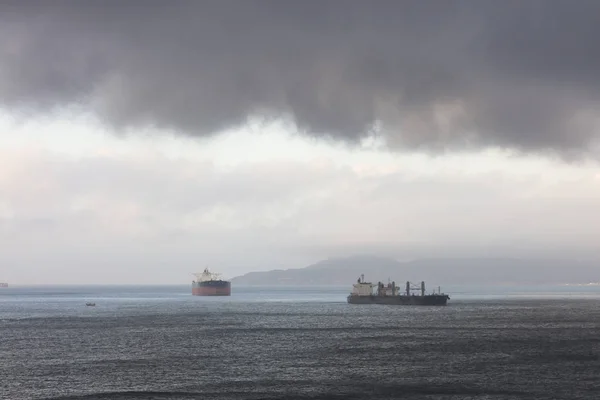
{"type": "Point", "coordinates": [519, 74]}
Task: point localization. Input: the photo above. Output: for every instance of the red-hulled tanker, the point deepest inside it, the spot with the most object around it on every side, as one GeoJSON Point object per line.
{"type": "Point", "coordinates": [209, 284]}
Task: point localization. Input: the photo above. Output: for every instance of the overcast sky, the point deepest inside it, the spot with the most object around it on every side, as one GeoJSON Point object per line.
{"type": "Point", "coordinates": [141, 141]}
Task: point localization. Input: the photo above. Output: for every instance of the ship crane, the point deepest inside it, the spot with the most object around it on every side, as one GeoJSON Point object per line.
{"type": "Point", "coordinates": [410, 287]}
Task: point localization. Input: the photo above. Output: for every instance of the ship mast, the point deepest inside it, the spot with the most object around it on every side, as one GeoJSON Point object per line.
{"type": "Point", "coordinates": [206, 275]}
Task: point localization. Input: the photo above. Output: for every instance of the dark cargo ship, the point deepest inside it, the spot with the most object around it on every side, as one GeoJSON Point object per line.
{"type": "Point", "coordinates": [209, 284]}
{"type": "Point", "coordinates": [362, 293]}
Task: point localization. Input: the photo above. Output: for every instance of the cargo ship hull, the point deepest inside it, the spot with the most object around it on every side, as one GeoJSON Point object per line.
{"type": "Point", "coordinates": [211, 288]}
{"type": "Point", "coordinates": [432, 300]}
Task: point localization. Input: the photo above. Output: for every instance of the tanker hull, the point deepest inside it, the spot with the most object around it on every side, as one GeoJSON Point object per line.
{"type": "Point", "coordinates": [211, 288]}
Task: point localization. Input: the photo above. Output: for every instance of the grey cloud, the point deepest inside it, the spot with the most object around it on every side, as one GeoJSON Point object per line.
{"type": "Point", "coordinates": [435, 74]}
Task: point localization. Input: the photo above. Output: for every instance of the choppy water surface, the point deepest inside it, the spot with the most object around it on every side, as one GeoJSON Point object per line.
{"type": "Point", "coordinates": [162, 343]}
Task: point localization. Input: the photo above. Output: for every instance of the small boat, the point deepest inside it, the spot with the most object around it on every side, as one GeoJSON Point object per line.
{"type": "Point", "coordinates": [90, 304]}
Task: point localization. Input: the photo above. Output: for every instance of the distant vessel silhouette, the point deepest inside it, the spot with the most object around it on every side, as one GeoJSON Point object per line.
{"type": "Point", "coordinates": [210, 284]}
{"type": "Point", "coordinates": [362, 293]}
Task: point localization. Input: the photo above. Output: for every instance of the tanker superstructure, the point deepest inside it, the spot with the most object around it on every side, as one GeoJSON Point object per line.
{"type": "Point", "coordinates": [210, 284]}
{"type": "Point", "coordinates": [362, 293]}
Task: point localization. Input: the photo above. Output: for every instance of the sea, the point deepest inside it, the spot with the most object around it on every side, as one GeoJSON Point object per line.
{"type": "Point", "coordinates": [159, 342]}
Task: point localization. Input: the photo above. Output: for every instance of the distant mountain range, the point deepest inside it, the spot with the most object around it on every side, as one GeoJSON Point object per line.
{"type": "Point", "coordinates": [345, 271]}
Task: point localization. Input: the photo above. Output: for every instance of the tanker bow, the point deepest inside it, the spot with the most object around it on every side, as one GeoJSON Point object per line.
{"type": "Point", "coordinates": [210, 284]}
